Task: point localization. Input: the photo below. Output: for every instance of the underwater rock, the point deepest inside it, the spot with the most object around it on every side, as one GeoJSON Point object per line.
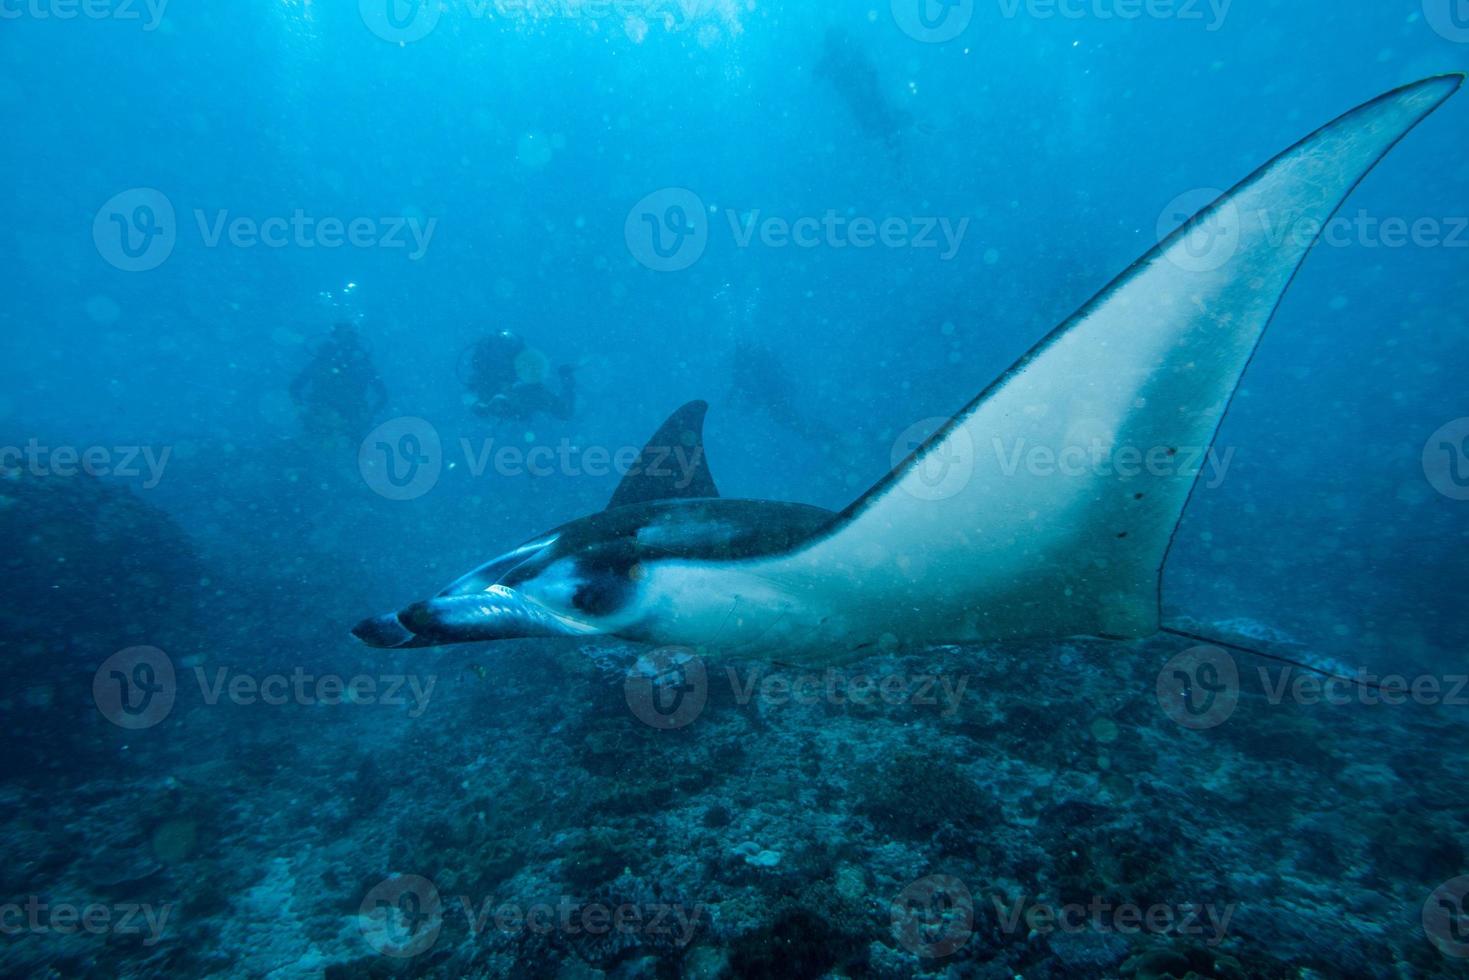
{"type": "Point", "coordinates": [798, 945]}
{"type": "Point", "coordinates": [1088, 953]}
{"type": "Point", "coordinates": [79, 586]}
{"type": "Point", "coordinates": [1189, 963]}
{"type": "Point", "coordinates": [757, 856]}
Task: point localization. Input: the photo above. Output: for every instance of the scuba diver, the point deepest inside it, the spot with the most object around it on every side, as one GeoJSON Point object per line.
{"type": "Point", "coordinates": [339, 392]}
{"type": "Point", "coordinates": [507, 381]}
{"type": "Point", "coordinates": [852, 73]}
{"type": "Point", "coordinates": [761, 382]}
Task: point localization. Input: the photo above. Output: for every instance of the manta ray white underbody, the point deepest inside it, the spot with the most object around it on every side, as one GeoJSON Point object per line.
{"type": "Point", "coordinates": [958, 543]}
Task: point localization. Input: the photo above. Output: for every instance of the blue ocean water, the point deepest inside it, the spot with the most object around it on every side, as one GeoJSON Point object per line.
{"type": "Point", "coordinates": [837, 225]}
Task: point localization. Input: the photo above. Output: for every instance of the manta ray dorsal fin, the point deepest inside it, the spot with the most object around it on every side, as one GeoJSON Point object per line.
{"type": "Point", "coordinates": [1047, 506]}
{"type": "Point", "coordinates": [672, 465]}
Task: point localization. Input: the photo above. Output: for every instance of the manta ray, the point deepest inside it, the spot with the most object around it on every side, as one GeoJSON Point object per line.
{"type": "Point", "coordinates": [956, 544]}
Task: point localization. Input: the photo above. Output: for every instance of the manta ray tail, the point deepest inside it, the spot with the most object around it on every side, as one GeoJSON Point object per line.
{"type": "Point", "coordinates": [1254, 652]}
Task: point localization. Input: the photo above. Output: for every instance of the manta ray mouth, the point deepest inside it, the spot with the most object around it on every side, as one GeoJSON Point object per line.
{"type": "Point", "coordinates": [498, 613]}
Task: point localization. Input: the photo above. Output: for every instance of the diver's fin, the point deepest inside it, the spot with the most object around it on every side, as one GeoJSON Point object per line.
{"type": "Point", "coordinates": [673, 465]}
{"type": "Point", "coordinates": [1047, 506]}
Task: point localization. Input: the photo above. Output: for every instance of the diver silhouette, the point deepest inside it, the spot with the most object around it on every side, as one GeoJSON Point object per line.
{"type": "Point", "coordinates": [506, 380]}
{"type": "Point", "coordinates": [338, 392]}
{"type": "Point", "coordinates": [854, 76]}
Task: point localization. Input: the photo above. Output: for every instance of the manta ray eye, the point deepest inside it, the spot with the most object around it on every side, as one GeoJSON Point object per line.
{"type": "Point", "coordinates": [603, 591]}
